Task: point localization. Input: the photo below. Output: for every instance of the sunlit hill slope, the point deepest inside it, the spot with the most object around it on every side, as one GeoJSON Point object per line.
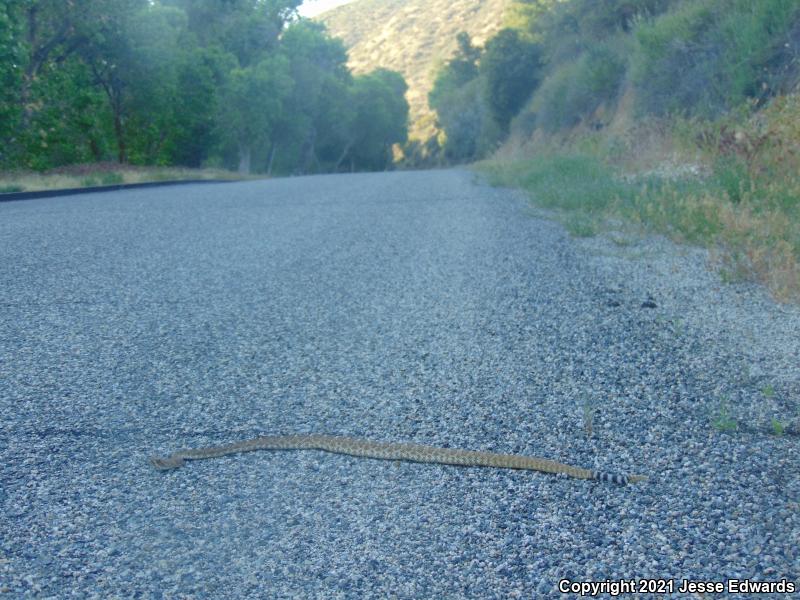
{"type": "Point", "coordinates": [413, 37]}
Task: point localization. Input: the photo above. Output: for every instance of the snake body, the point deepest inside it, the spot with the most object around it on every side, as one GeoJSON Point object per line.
{"type": "Point", "coordinates": [388, 451]}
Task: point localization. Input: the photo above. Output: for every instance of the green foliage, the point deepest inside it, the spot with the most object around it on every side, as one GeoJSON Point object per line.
{"type": "Point", "coordinates": [699, 58]}
{"type": "Point", "coordinates": [572, 56]}
{"type": "Point", "coordinates": [723, 421]}
{"type": "Point", "coordinates": [732, 176]}
{"type": "Point", "coordinates": [201, 74]}
{"type": "Point", "coordinates": [732, 67]}
{"type": "Point", "coordinates": [246, 29]}
{"type": "Point", "coordinates": [569, 28]}
{"type": "Point", "coordinates": [580, 226]}
{"type": "Point", "coordinates": [191, 82]}
{"type": "Point", "coordinates": [708, 56]}
{"type": "Point", "coordinates": [576, 89]}
{"type": "Point", "coordinates": [150, 56]}
{"type": "Point", "coordinates": [524, 14]}
{"type": "Point", "coordinates": [567, 182]}
{"type": "Point", "coordinates": [318, 68]}
{"type": "Point", "coordinates": [469, 127]}
{"type": "Point", "coordinates": [511, 67]}
{"type": "Point", "coordinates": [102, 179]}
{"type": "Point", "coordinates": [111, 178]}
{"type": "Point", "coordinates": [251, 106]}
{"type": "Point", "coordinates": [11, 56]}
{"type": "Point", "coordinates": [64, 130]}
{"type": "Point", "coordinates": [478, 92]}
{"type": "Point", "coordinates": [456, 73]}
{"type": "Point", "coordinates": [460, 103]}
{"type": "Point", "coordinates": [381, 119]}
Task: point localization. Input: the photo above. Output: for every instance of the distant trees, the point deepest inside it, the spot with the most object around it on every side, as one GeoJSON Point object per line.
{"type": "Point", "coordinates": [566, 63]}
{"type": "Point", "coordinates": [478, 92]}
{"type": "Point", "coordinates": [379, 120]}
{"type": "Point", "coordinates": [238, 83]}
{"type": "Point", "coordinates": [253, 101]}
{"type": "Point", "coordinates": [511, 66]}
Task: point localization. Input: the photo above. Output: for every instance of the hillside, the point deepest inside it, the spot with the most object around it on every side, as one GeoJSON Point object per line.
{"type": "Point", "coordinates": [413, 37]}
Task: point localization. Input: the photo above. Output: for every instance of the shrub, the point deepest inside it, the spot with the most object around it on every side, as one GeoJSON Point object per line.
{"type": "Point", "coordinates": [708, 56]}
{"type": "Point", "coordinates": [511, 67]}
{"type": "Point", "coordinates": [576, 89]}
{"type": "Point", "coordinates": [470, 130]}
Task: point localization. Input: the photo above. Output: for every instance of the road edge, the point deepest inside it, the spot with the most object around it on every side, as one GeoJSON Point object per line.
{"type": "Point", "coordinates": [16, 196]}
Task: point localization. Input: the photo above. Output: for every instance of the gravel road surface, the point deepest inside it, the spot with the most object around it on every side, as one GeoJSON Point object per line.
{"type": "Point", "coordinates": [412, 307]}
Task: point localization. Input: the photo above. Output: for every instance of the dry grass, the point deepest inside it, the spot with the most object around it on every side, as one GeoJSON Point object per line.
{"type": "Point", "coordinates": [739, 195]}
{"type": "Point", "coordinates": [99, 174]}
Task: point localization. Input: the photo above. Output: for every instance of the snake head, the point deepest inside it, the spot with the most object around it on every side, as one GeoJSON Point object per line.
{"type": "Point", "coordinates": [165, 463]}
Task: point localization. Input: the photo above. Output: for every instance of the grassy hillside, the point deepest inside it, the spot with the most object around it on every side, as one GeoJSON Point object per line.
{"type": "Point", "coordinates": [413, 37]}
{"type": "Point", "coordinates": [681, 120]}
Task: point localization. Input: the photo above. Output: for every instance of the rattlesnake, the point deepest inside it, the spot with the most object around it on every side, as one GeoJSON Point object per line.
{"type": "Point", "coordinates": [388, 451]}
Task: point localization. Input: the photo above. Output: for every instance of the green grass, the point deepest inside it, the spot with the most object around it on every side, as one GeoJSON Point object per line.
{"type": "Point", "coordinates": [580, 226]}
{"type": "Point", "coordinates": [102, 179]}
{"type": "Point", "coordinates": [723, 421]}
{"type": "Point", "coordinates": [752, 223]}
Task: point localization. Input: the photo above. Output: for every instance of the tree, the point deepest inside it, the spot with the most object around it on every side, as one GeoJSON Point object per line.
{"type": "Point", "coordinates": [462, 112]}
{"type": "Point", "coordinates": [193, 82]}
{"type": "Point", "coordinates": [318, 66]}
{"type": "Point", "coordinates": [54, 104]}
{"type": "Point", "coordinates": [53, 30]}
{"type": "Point", "coordinates": [133, 56]}
{"type": "Point", "coordinates": [381, 119]}
{"type": "Point", "coordinates": [470, 131]}
{"type": "Point", "coordinates": [248, 29]}
{"type": "Point", "coordinates": [253, 104]}
{"type": "Point", "coordinates": [202, 72]}
{"type": "Point", "coordinates": [11, 58]}
{"type": "Point", "coordinates": [511, 67]}
{"type": "Point", "coordinates": [457, 72]}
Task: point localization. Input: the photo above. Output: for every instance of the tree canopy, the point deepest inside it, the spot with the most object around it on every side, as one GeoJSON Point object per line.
{"type": "Point", "coordinates": [241, 84]}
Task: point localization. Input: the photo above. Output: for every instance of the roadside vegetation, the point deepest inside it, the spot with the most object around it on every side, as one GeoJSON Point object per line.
{"type": "Point", "coordinates": [221, 84]}
{"type": "Point", "coordinates": [673, 116]}
{"type": "Point", "coordinates": [101, 174]}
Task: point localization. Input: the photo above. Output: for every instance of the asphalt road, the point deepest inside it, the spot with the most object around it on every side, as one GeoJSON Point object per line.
{"type": "Point", "coordinates": [417, 306]}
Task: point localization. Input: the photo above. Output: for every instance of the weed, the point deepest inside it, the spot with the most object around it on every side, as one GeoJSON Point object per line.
{"type": "Point", "coordinates": [588, 417]}
{"type": "Point", "coordinates": [111, 178]}
{"type": "Point", "coordinates": [580, 226]}
{"type": "Point", "coordinates": [679, 327]}
{"type": "Point", "coordinates": [778, 427]}
{"type": "Point", "coordinates": [576, 89]}
{"type": "Point", "coordinates": [707, 56]}
{"type": "Point", "coordinates": [753, 232]}
{"type": "Point", "coordinates": [768, 391]}
{"type": "Point", "coordinates": [622, 242]}
{"type": "Point", "coordinates": [723, 421]}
